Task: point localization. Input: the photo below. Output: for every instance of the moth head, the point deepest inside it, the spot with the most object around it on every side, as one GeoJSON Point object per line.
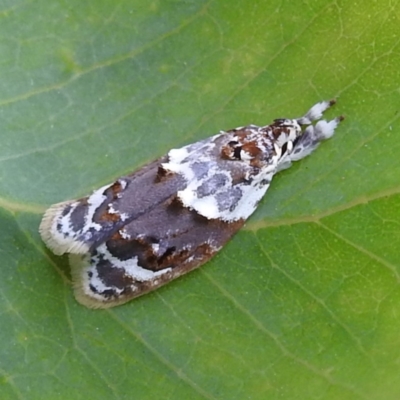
{"type": "Point", "coordinates": [285, 131]}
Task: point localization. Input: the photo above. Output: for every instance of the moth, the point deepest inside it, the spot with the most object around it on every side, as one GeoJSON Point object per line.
{"type": "Point", "coordinates": [172, 215]}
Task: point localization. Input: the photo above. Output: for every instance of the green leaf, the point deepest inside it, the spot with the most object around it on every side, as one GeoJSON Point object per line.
{"type": "Point", "coordinates": [304, 302]}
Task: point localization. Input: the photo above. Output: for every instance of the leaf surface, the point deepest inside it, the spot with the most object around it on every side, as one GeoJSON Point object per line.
{"type": "Point", "coordinates": [304, 302]}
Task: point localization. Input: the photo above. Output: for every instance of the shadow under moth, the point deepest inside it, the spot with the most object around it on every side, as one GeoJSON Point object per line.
{"type": "Point", "coordinates": [172, 215]}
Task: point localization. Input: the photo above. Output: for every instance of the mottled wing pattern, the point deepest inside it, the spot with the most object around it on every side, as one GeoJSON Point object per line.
{"type": "Point", "coordinates": [174, 214]}
{"type": "Point", "coordinates": [167, 242]}
{"type": "Point", "coordinates": [77, 226]}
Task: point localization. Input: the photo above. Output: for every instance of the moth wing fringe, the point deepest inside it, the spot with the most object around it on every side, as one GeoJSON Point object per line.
{"type": "Point", "coordinates": [56, 244]}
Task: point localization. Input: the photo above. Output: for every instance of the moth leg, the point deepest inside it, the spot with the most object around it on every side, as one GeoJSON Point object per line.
{"type": "Point", "coordinates": [315, 112]}
{"type": "Point", "coordinates": [312, 136]}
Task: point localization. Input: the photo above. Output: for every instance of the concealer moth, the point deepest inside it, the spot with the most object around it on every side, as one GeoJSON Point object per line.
{"type": "Point", "coordinates": [173, 214]}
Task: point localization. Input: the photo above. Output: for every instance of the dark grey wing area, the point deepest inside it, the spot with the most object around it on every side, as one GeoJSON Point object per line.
{"type": "Point", "coordinates": [78, 226]}
{"type": "Point", "coordinates": [155, 248]}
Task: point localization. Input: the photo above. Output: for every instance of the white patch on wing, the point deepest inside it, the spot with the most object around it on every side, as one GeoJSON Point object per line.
{"type": "Point", "coordinates": [176, 156]}
{"type": "Point", "coordinates": [155, 247]}
{"type": "Point", "coordinates": [124, 234]}
{"type": "Point", "coordinates": [123, 183]}
{"type": "Point", "coordinates": [208, 205]}
{"type": "Point", "coordinates": [85, 274]}
{"type": "Point", "coordinates": [95, 200]}
{"type": "Point", "coordinates": [130, 266]}
{"type": "Point", "coordinates": [205, 206]}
